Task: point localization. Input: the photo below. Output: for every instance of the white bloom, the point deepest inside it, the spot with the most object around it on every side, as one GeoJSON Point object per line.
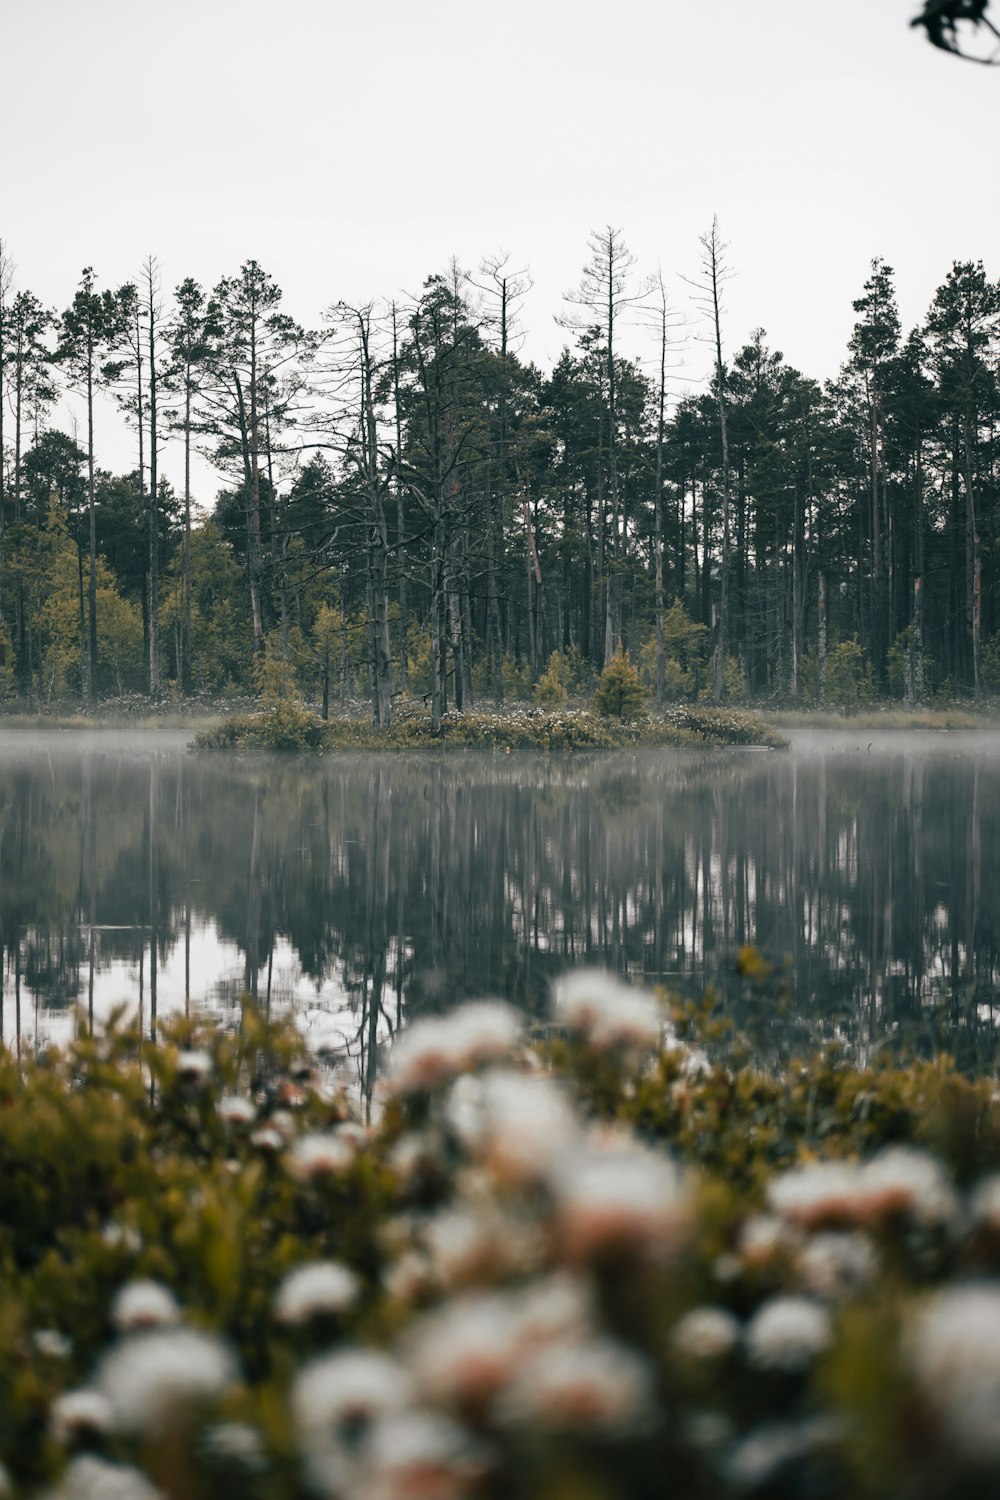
{"type": "Point", "coordinates": [955, 1348]}
{"type": "Point", "coordinates": [985, 1203]}
{"type": "Point", "coordinates": [822, 1192]}
{"type": "Point", "coordinates": [834, 1265]}
{"type": "Point", "coordinates": [435, 1048]}
{"type": "Point", "coordinates": [320, 1155]}
{"type": "Point", "coordinates": [237, 1109]}
{"type": "Point", "coordinates": [408, 1276]}
{"type": "Point", "coordinates": [516, 1123]}
{"type": "Point", "coordinates": [90, 1478]}
{"type": "Point", "coordinates": [420, 1455]}
{"type": "Point", "coordinates": [268, 1139]}
{"type": "Point", "coordinates": [334, 1401]}
{"type": "Point", "coordinates": [76, 1412]}
{"type": "Point", "coordinates": [466, 1350]}
{"type": "Point", "coordinates": [787, 1334]}
{"type": "Point", "coordinates": [194, 1067]}
{"type": "Point", "coordinates": [310, 1291]}
{"type": "Point", "coordinates": [144, 1304]}
{"type": "Point", "coordinates": [592, 1386]}
{"type": "Point", "coordinates": [898, 1181]}
{"type": "Point", "coordinates": [619, 1196]}
{"type": "Point", "coordinates": [121, 1237]}
{"type": "Point", "coordinates": [149, 1375]}
{"type": "Point", "coordinates": [236, 1442]}
{"type": "Point", "coordinates": [765, 1450]}
{"type": "Point", "coordinates": [607, 1012]}
{"type": "Point", "coordinates": [763, 1237]}
{"type": "Point", "coordinates": [52, 1344]}
{"type": "Point", "coordinates": [705, 1333]}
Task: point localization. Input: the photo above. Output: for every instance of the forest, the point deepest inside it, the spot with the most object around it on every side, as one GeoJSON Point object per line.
{"type": "Point", "coordinates": [409, 507]}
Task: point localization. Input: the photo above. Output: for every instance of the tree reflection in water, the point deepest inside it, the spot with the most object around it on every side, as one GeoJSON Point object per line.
{"type": "Point", "coordinates": [402, 884]}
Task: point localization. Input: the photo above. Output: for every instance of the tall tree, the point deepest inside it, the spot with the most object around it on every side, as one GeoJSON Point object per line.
{"type": "Point", "coordinates": [89, 329]}
{"type": "Point", "coordinates": [190, 334]}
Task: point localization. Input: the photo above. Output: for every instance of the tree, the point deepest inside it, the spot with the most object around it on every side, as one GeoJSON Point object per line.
{"type": "Point", "coordinates": [89, 329]}
{"type": "Point", "coordinates": [963, 332]}
{"type": "Point", "coordinates": [945, 22]}
{"type": "Point", "coordinates": [708, 285]}
{"type": "Point", "coordinates": [190, 334]}
{"type": "Point", "coordinates": [605, 293]}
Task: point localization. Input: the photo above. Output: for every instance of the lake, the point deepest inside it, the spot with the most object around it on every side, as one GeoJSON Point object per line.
{"type": "Point", "coordinates": [363, 890]}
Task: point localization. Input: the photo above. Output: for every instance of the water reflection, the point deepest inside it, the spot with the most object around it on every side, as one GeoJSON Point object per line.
{"type": "Point", "coordinates": [365, 890]}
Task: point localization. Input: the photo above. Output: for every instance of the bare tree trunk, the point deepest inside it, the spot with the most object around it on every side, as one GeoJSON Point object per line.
{"type": "Point", "coordinates": [973, 568]}
{"type": "Point", "coordinates": [821, 643]}
{"type": "Point", "coordinates": [154, 531]}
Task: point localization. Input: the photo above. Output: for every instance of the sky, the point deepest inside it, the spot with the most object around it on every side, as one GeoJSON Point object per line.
{"type": "Point", "coordinates": [354, 148]}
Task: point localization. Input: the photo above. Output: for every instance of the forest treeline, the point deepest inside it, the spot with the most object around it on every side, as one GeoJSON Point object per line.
{"type": "Point", "coordinates": [408, 506]}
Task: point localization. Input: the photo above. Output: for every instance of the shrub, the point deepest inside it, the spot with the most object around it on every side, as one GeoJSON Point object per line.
{"type": "Point", "coordinates": [620, 694]}
{"type": "Point", "coordinates": [550, 690]}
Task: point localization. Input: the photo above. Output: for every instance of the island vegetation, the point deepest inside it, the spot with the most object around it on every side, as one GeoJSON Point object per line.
{"type": "Point", "coordinates": [570, 1252]}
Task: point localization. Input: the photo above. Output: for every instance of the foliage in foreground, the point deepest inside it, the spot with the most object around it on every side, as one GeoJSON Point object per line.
{"type": "Point", "coordinates": [286, 725]}
{"type": "Point", "coordinates": [570, 1264]}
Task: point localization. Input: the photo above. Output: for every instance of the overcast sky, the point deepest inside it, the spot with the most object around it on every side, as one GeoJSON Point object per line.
{"type": "Point", "coordinates": [354, 148]}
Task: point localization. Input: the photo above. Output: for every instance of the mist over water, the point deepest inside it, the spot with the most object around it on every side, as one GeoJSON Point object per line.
{"type": "Point", "coordinates": [362, 891]}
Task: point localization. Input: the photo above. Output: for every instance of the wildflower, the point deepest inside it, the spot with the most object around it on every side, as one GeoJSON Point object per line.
{"type": "Point", "coordinates": [121, 1237]}
{"type": "Point", "coordinates": [787, 1334]}
{"type": "Point", "coordinates": [421, 1455]}
{"type": "Point", "coordinates": [763, 1238]}
{"type": "Point", "coordinates": [268, 1140]}
{"type": "Point", "coordinates": [435, 1048]}
{"type": "Point", "coordinates": [91, 1478]}
{"type": "Point", "coordinates": [593, 1386]}
{"type": "Point", "coordinates": [465, 1246]}
{"type": "Point", "coordinates": [334, 1402]}
{"type": "Point", "coordinates": [837, 1194]}
{"type": "Point", "coordinates": [236, 1443]}
{"type": "Point", "coordinates": [619, 1197]}
{"type": "Point", "coordinates": [466, 1350]}
{"type": "Point", "coordinates": [194, 1067]}
{"type": "Point", "coordinates": [52, 1344]}
{"type": "Point", "coordinates": [77, 1413]}
{"type": "Point", "coordinates": [821, 1193]}
{"type": "Point", "coordinates": [705, 1333]}
{"type": "Point", "coordinates": [836, 1264]}
{"type": "Point", "coordinates": [955, 1348]}
{"type": "Point", "coordinates": [314, 1290]}
{"type": "Point", "coordinates": [320, 1155]}
{"type": "Point", "coordinates": [237, 1109]}
{"type": "Point", "coordinates": [985, 1204]}
{"type": "Point", "coordinates": [144, 1304]}
{"type": "Point", "coordinates": [151, 1375]}
{"type": "Point", "coordinates": [757, 1458]}
{"type": "Point", "coordinates": [409, 1276]}
{"type": "Point", "coordinates": [607, 1012]}
{"type": "Point", "coordinates": [516, 1123]}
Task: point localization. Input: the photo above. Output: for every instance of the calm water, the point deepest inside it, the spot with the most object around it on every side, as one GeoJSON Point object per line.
{"type": "Point", "coordinates": [364, 890]}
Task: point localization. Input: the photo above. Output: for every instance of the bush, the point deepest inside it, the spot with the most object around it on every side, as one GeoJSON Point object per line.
{"type": "Point", "coordinates": [620, 694]}
{"type": "Point", "coordinates": [550, 690]}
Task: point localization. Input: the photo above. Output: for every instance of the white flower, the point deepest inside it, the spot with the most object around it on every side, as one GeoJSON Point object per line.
{"type": "Point", "coordinates": [822, 1192]}
{"type": "Point", "coordinates": [466, 1246]}
{"type": "Point", "coordinates": [619, 1196]}
{"type": "Point", "coordinates": [320, 1154]}
{"type": "Point", "coordinates": [765, 1450]}
{"type": "Point", "coordinates": [985, 1203]}
{"type": "Point", "coordinates": [763, 1237]}
{"type": "Point", "coordinates": [435, 1048]}
{"type": "Point", "coordinates": [334, 1402]}
{"type": "Point", "coordinates": [237, 1109]}
{"type": "Point", "coordinates": [52, 1344]}
{"type": "Point", "coordinates": [236, 1442]}
{"type": "Point", "coordinates": [310, 1291]}
{"type": "Point", "coordinates": [955, 1347]}
{"type": "Point", "coordinates": [515, 1123]}
{"type": "Point", "coordinates": [144, 1304]}
{"type": "Point", "coordinates": [268, 1139]}
{"type": "Point", "coordinates": [76, 1412]}
{"type": "Point", "coordinates": [836, 1264]}
{"type": "Point", "coordinates": [787, 1334]}
{"type": "Point", "coordinates": [420, 1455]}
{"type": "Point", "coordinates": [90, 1478]}
{"type": "Point", "coordinates": [150, 1375]}
{"type": "Point", "coordinates": [194, 1067]}
{"type": "Point", "coordinates": [591, 1386]}
{"type": "Point", "coordinates": [705, 1333]}
{"type": "Point", "coordinates": [121, 1237]}
{"type": "Point", "coordinates": [898, 1181]}
{"type": "Point", "coordinates": [466, 1350]}
{"type": "Point", "coordinates": [607, 1012]}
